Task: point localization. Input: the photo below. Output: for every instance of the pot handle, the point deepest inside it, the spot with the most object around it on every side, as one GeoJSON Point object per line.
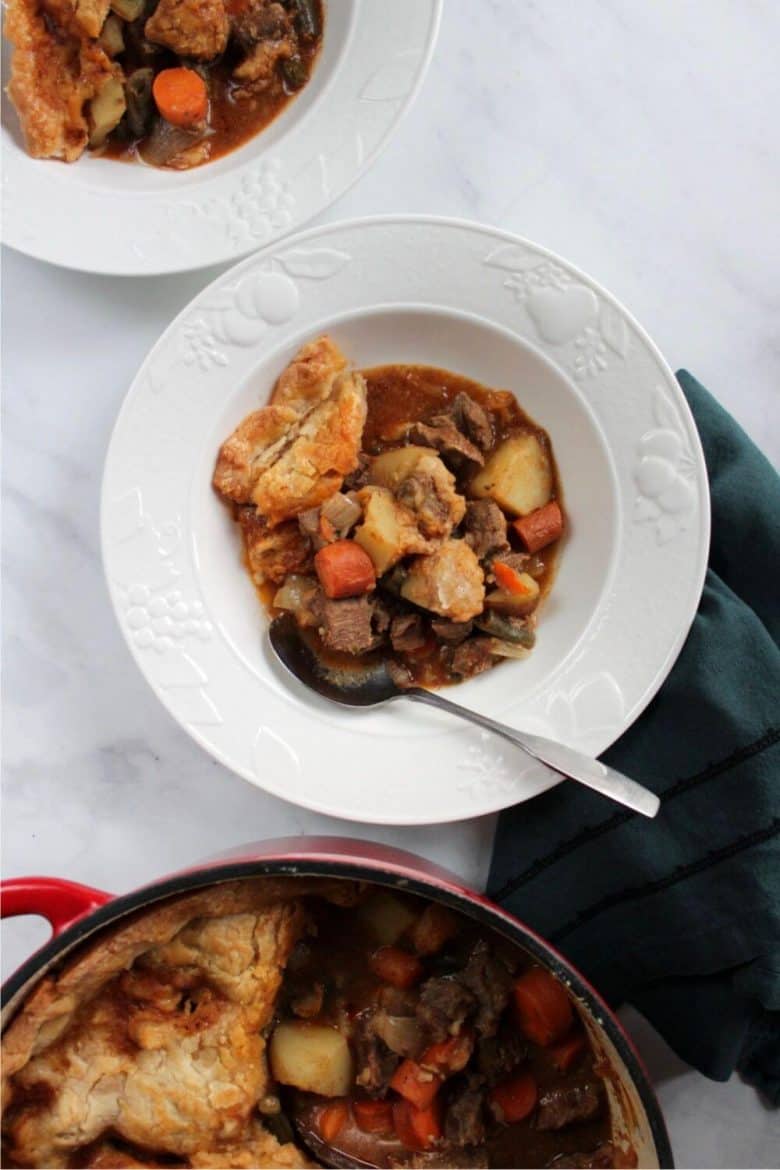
{"type": "Point", "coordinates": [61, 903]}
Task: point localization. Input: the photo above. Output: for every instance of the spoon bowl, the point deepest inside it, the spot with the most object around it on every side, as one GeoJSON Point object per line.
{"type": "Point", "coordinates": [373, 686]}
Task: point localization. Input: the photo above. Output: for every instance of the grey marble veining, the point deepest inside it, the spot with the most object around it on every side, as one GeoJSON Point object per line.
{"type": "Point", "coordinates": [638, 140]}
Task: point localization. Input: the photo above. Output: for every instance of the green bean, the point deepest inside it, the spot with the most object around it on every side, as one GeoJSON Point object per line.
{"type": "Point", "coordinates": [294, 73]}
{"type": "Point", "coordinates": [506, 628]}
{"type": "Point", "coordinates": [140, 104]}
{"type": "Point", "coordinates": [308, 14]}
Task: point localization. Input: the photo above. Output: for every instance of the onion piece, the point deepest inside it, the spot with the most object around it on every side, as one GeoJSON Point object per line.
{"type": "Point", "coordinates": [401, 1034]}
{"type": "Point", "coordinates": [503, 649]}
{"type": "Point", "coordinates": [296, 596]}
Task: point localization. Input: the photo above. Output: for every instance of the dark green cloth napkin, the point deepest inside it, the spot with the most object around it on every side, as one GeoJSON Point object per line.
{"type": "Point", "coordinates": [680, 916]}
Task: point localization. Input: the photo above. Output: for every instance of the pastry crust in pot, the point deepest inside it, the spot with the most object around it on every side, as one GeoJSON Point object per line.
{"type": "Point", "coordinates": [154, 1034]}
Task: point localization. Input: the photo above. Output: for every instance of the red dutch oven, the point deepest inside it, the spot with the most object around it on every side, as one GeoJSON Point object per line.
{"type": "Point", "coordinates": [77, 913]}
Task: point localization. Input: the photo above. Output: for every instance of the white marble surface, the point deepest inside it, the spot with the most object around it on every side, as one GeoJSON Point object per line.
{"type": "Point", "coordinates": [640, 141]}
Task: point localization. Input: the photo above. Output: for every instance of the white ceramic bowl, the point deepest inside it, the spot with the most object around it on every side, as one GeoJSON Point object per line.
{"type": "Point", "coordinates": [123, 219]}
{"type": "Point", "coordinates": [496, 309]}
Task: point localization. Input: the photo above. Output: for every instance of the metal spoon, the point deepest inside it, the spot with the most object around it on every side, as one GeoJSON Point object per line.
{"type": "Point", "coordinates": [328, 1155]}
{"type": "Point", "coordinates": [374, 686]}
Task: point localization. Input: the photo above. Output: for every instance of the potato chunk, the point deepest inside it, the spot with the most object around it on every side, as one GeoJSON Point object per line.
{"type": "Point", "coordinates": [518, 475]}
{"type": "Point", "coordinates": [388, 531]}
{"type": "Point", "coordinates": [387, 917]}
{"type": "Point", "coordinates": [312, 1057]}
{"type": "Point", "coordinates": [391, 467]}
{"type": "Point", "coordinates": [449, 582]}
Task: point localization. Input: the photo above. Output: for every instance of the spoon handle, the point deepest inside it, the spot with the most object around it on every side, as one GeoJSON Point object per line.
{"type": "Point", "coordinates": [565, 760]}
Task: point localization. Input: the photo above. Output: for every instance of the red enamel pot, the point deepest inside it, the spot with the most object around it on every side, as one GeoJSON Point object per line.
{"type": "Point", "coordinates": [77, 913]}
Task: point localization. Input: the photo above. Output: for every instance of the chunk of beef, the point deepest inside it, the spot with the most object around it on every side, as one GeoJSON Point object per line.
{"type": "Point", "coordinates": [381, 616]}
{"type": "Point", "coordinates": [190, 28]}
{"type": "Point", "coordinates": [470, 658]}
{"type": "Point", "coordinates": [563, 1106]}
{"type": "Point", "coordinates": [308, 1003]}
{"type": "Point", "coordinates": [444, 1005]}
{"type": "Point", "coordinates": [375, 1062]}
{"type": "Point", "coordinates": [485, 528]}
{"type": "Point", "coordinates": [463, 1122]}
{"type": "Point", "coordinates": [490, 981]}
{"type": "Point", "coordinates": [497, 1056]}
{"type": "Point", "coordinates": [360, 476]}
{"type": "Point", "coordinates": [472, 420]}
{"type": "Point", "coordinates": [601, 1158]}
{"type": "Point", "coordinates": [258, 20]}
{"type": "Point", "coordinates": [453, 633]}
{"type": "Point", "coordinates": [442, 434]}
{"type": "Point", "coordinates": [444, 1158]}
{"type": "Point", "coordinates": [259, 70]}
{"type": "Point", "coordinates": [346, 625]}
{"type": "Point", "coordinates": [407, 632]}
{"type": "Point", "coordinates": [421, 482]}
{"type": "Point", "coordinates": [418, 493]}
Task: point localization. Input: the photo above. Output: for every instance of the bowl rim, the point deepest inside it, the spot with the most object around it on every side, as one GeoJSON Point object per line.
{"type": "Point", "coordinates": [325, 857]}
{"type": "Point", "coordinates": [217, 186]}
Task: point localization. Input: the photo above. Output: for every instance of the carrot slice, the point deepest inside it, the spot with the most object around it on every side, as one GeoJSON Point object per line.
{"type": "Point", "coordinates": [543, 1007]}
{"type": "Point", "coordinates": [540, 528]}
{"type": "Point", "coordinates": [373, 1116]}
{"type": "Point", "coordinates": [181, 96]}
{"type": "Point", "coordinates": [509, 578]}
{"type": "Point", "coordinates": [418, 1085]}
{"type": "Point", "coordinates": [344, 569]}
{"type": "Point", "coordinates": [564, 1055]}
{"type": "Point", "coordinates": [514, 1099]}
{"type": "Point", "coordinates": [332, 1120]}
{"type": "Point", "coordinates": [392, 965]}
{"type": "Point", "coordinates": [417, 1129]}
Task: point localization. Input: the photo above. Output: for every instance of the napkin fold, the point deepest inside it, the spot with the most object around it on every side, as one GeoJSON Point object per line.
{"type": "Point", "coordinates": [680, 916]}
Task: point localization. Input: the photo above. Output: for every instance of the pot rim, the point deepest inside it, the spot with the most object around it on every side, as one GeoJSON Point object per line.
{"type": "Point", "coordinates": [328, 861]}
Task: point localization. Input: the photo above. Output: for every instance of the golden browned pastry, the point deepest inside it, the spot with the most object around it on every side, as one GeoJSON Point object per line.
{"type": "Point", "coordinates": [54, 74]}
{"type": "Point", "coordinates": [310, 375]}
{"type": "Point", "coordinates": [294, 453]}
{"type": "Point", "coordinates": [324, 450]}
{"type": "Point", "coordinates": [154, 1036]}
{"type": "Point", "coordinates": [272, 553]}
{"type": "Point", "coordinates": [255, 443]}
{"type": "Point", "coordinates": [78, 16]}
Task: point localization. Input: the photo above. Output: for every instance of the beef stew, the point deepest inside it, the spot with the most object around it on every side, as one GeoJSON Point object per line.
{"type": "Point", "coordinates": [405, 515]}
{"type": "Point", "coordinates": [171, 83]}
{"type": "Point", "coordinates": [454, 1049]}
{"type": "Point", "coordinates": [243, 1023]}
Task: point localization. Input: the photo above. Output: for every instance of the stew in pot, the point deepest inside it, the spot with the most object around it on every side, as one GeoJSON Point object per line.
{"type": "Point", "coordinates": [248, 1023]}
{"type": "Point", "coordinates": [458, 1051]}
